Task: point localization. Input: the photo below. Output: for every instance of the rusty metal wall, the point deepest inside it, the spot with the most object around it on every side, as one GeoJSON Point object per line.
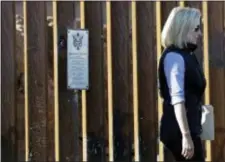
{"type": "Point", "coordinates": [117, 118]}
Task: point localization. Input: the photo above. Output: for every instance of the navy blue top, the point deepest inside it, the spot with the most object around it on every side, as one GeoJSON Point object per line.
{"type": "Point", "coordinates": [181, 78]}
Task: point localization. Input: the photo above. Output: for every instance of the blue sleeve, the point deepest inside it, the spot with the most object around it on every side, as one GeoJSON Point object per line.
{"type": "Point", "coordinates": [174, 69]}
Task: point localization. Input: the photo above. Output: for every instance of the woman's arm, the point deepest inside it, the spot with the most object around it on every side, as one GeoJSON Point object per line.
{"type": "Point", "coordinates": [180, 113]}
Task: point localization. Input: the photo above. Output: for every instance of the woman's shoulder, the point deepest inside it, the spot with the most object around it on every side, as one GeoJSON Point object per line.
{"type": "Point", "coordinates": [174, 62]}
{"type": "Point", "coordinates": [173, 57]}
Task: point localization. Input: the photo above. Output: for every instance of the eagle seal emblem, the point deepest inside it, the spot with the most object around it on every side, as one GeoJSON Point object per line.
{"type": "Point", "coordinates": [77, 41]}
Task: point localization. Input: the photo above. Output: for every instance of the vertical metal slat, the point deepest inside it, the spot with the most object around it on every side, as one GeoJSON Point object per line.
{"type": "Point", "coordinates": [181, 3]}
{"type": "Point", "coordinates": [135, 82]}
{"type": "Point", "coordinates": [26, 111]}
{"type": "Point", "coordinates": [159, 51]}
{"type": "Point", "coordinates": [84, 98]}
{"type": "Point", "coordinates": [206, 67]}
{"type": "Point", "coordinates": [9, 124]}
{"type": "Point", "coordinates": [109, 79]}
{"type": "Point", "coordinates": [56, 91]}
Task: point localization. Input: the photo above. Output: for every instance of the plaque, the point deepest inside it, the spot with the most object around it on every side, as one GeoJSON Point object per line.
{"type": "Point", "coordinates": [77, 59]}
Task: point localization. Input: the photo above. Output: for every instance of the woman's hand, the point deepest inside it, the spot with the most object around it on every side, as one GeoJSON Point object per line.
{"type": "Point", "coordinates": [187, 146]}
{"type": "Point", "coordinates": [187, 143]}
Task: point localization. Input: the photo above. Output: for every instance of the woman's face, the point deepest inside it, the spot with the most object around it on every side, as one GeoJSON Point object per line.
{"type": "Point", "coordinates": [194, 34]}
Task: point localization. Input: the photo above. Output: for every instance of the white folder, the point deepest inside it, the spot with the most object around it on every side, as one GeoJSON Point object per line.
{"type": "Point", "coordinates": [208, 127]}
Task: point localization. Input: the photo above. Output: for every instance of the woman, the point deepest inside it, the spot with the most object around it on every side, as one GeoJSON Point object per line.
{"type": "Point", "coordinates": [182, 85]}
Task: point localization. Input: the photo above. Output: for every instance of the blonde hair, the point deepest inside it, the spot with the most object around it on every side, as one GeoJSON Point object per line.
{"type": "Point", "coordinates": [180, 21]}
